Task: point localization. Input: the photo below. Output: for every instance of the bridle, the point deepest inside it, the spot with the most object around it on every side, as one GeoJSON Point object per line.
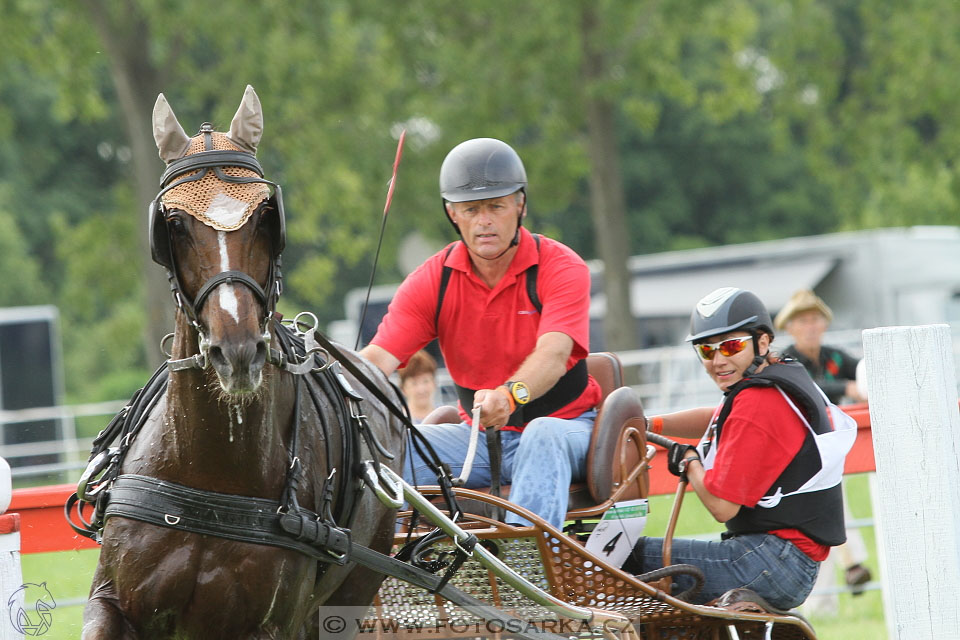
{"type": "Point", "coordinates": [161, 247]}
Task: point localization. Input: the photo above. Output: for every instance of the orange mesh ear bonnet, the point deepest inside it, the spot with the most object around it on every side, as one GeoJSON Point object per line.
{"type": "Point", "coordinates": [225, 206]}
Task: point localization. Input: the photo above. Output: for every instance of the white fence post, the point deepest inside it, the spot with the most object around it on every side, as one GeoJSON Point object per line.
{"type": "Point", "coordinates": [916, 440]}
{"type": "Point", "coordinates": [11, 578]}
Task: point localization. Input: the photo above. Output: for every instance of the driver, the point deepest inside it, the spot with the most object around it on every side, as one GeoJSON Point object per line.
{"type": "Point", "coordinates": [768, 465]}
{"type": "Point", "coordinates": [510, 310]}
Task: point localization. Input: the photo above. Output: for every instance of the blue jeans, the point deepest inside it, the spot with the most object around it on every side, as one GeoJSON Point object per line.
{"type": "Point", "coordinates": [538, 463]}
{"type": "Point", "coordinates": [773, 567]}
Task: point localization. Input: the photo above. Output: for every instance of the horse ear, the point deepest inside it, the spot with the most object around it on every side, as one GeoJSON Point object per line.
{"type": "Point", "coordinates": [171, 139]}
{"type": "Point", "coordinates": [247, 125]}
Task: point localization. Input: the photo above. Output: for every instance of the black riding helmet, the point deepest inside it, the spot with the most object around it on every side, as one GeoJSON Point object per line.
{"type": "Point", "coordinates": [480, 169]}
{"type": "Point", "coordinates": [731, 309]}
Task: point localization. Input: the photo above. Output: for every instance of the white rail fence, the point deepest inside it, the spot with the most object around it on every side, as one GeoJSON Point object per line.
{"type": "Point", "coordinates": [70, 451]}
{"type": "Point", "coordinates": [666, 379]}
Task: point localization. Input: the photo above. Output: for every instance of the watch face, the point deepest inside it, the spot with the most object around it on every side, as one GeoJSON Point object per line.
{"type": "Point", "coordinates": [520, 393]}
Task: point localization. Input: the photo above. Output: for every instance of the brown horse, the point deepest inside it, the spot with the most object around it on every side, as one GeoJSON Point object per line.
{"type": "Point", "coordinates": [233, 422]}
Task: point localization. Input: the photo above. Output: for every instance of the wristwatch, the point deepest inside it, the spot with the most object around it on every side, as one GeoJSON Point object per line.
{"type": "Point", "coordinates": [519, 391]}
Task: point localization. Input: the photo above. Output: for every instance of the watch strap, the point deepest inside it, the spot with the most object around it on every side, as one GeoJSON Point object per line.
{"type": "Point", "coordinates": [506, 392]}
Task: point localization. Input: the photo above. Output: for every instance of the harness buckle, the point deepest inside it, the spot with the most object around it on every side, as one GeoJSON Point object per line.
{"type": "Point", "coordinates": [310, 322]}
{"type": "Point", "coordinates": [163, 345]}
{"type": "Point", "coordinates": [96, 466]}
{"type": "Point", "coordinates": [469, 540]}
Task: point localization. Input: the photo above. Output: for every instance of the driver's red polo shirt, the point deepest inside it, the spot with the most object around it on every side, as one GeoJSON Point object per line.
{"type": "Point", "coordinates": [485, 334]}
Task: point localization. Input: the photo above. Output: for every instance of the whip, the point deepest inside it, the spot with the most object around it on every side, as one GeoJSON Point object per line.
{"type": "Point", "coordinates": [383, 226]}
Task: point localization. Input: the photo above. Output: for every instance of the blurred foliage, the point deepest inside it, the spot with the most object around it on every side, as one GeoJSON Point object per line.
{"type": "Point", "coordinates": [737, 120]}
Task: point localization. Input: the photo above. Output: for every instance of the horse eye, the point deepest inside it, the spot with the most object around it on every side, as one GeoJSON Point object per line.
{"type": "Point", "coordinates": [176, 225]}
{"type": "Point", "coordinates": [265, 223]}
{"type": "Point", "coordinates": [265, 214]}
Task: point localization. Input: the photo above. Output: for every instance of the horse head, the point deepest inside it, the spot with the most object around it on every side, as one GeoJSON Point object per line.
{"type": "Point", "coordinates": [219, 232]}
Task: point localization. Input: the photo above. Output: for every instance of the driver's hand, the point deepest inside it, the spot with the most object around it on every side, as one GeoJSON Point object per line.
{"type": "Point", "coordinates": [494, 408]}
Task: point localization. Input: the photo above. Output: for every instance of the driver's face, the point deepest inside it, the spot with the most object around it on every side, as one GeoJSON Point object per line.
{"type": "Point", "coordinates": [487, 226]}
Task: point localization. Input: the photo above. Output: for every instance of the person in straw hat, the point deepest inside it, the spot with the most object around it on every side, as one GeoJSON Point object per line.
{"type": "Point", "coordinates": [806, 318]}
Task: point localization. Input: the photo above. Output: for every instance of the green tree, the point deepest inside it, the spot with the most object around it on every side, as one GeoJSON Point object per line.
{"type": "Point", "coordinates": [866, 93]}
{"type": "Point", "coordinates": [63, 231]}
{"type": "Point", "coordinates": [312, 66]}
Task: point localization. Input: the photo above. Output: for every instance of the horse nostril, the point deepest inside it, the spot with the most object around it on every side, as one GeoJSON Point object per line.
{"type": "Point", "coordinates": [216, 357]}
{"type": "Point", "coordinates": [260, 358]}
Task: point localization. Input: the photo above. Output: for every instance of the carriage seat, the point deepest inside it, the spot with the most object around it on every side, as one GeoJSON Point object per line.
{"type": "Point", "coordinates": [617, 444]}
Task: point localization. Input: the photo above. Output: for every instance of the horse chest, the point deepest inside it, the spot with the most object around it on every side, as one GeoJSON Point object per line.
{"type": "Point", "coordinates": [186, 588]}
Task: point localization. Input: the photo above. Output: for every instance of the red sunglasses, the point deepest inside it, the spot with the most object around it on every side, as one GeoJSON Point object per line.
{"type": "Point", "coordinates": [727, 348]}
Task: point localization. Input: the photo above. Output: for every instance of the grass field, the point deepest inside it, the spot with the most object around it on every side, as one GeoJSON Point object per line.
{"type": "Point", "coordinates": [68, 574]}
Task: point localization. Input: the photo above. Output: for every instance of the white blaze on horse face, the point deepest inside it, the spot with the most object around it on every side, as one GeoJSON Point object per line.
{"type": "Point", "coordinates": [226, 212]}
{"type": "Point", "coordinates": [228, 296]}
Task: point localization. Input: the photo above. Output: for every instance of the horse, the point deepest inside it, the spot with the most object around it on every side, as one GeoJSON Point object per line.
{"type": "Point", "coordinates": [235, 429]}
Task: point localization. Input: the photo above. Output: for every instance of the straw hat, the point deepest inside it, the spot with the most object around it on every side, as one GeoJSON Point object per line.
{"type": "Point", "coordinates": [803, 300]}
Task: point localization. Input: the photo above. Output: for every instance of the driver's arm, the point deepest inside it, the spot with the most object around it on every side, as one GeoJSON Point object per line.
{"type": "Point", "coordinates": [383, 359]}
{"type": "Point", "coordinates": [545, 365]}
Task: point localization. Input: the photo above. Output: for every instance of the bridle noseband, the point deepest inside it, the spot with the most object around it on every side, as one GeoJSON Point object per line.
{"type": "Point", "coordinates": [162, 250]}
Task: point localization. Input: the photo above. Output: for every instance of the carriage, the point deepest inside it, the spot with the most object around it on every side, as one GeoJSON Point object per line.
{"type": "Point", "coordinates": [259, 468]}
{"type": "Point", "coordinates": [564, 582]}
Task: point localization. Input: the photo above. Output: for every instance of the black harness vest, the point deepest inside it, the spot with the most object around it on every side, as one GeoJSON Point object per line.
{"type": "Point", "coordinates": [568, 387]}
{"type": "Point", "coordinates": [818, 514]}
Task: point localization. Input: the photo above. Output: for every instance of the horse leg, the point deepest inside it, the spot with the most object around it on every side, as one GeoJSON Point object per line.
{"type": "Point", "coordinates": [102, 617]}
{"type": "Point", "coordinates": [355, 594]}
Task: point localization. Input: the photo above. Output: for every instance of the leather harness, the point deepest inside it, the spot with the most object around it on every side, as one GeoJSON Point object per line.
{"type": "Point", "coordinates": [282, 523]}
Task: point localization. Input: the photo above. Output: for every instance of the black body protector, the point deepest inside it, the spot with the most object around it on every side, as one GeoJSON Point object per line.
{"type": "Point", "coordinates": [807, 495]}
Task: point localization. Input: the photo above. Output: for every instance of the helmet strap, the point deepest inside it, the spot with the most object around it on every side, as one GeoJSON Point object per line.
{"type": "Point", "coordinates": [523, 209]}
{"type": "Point", "coordinates": [759, 358]}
